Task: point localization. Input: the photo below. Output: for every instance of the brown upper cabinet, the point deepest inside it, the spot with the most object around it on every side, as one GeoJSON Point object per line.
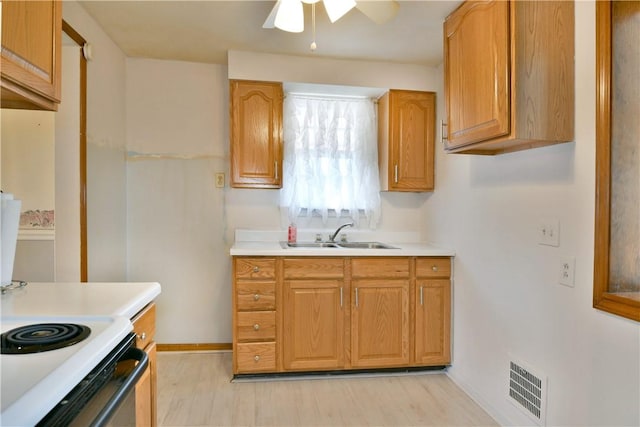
{"type": "Point", "coordinates": [509, 76]}
{"type": "Point", "coordinates": [406, 135]}
{"type": "Point", "coordinates": [256, 134]}
{"type": "Point", "coordinates": [31, 54]}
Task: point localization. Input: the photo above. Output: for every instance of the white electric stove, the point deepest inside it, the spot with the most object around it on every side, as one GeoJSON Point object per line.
{"type": "Point", "coordinates": [32, 384]}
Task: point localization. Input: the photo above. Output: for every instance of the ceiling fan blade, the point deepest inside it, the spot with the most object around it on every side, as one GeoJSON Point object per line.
{"type": "Point", "coordinates": [379, 11]}
{"type": "Point", "coordinates": [270, 22]}
{"type": "Point", "coordinates": [336, 9]}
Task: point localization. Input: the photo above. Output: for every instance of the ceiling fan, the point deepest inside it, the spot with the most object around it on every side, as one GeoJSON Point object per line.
{"type": "Point", "coordinates": [287, 15]}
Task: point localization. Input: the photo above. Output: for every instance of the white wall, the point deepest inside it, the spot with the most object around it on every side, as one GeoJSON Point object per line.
{"type": "Point", "coordinates": [176, 136]}
{"type": "Point", "coordinates": [180, 227]}
{"type": "Point", "coordinates": [28, 147]}
{"type": "Point", "coordinates": [67, 175]}
{"type": "Point", "coordinates": [507, 301]}
{"type": "Point", "coordinates": [106, 172]}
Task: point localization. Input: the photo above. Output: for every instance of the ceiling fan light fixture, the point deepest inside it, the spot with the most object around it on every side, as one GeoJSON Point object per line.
{"type": "Point", "coordinates": [290, 16]}
{"type": "Point", "coordinates": [336, 9]}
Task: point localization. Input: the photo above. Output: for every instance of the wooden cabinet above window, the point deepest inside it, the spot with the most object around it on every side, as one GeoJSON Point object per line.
{"type": "Point", "coordinates": [509, 75]}
{"type": "Point", "coordinates": [256, 134]}
{"type": "Point", "coordinates": [31, 54]}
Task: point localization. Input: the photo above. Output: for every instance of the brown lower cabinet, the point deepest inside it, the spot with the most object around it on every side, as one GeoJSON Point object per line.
{"type": "Point", "coordinates": [338, 313]}
{"type": "Point", "coordinates": [144, 326]}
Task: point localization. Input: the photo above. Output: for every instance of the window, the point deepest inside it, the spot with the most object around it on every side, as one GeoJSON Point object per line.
{"type": "Point", "coordinates": [330, 157]}
{"type": "Point", "coordinates": [616, 287]}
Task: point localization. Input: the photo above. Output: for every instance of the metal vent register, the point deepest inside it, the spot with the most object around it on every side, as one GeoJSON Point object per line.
{"type": "Point", "coordinates": [528, 391]}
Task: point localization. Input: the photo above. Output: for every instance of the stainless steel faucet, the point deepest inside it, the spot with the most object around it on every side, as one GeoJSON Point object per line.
{"type": "Point", "coordinates": [332, 238]}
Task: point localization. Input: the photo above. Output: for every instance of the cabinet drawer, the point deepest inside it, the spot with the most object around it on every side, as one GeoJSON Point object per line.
{"type": "Point", "coordinates": [313, 268]}
{"type": "Point", "coordinates": [380, 268]}
{"type": "Point", "coordinates": [255, 295]}
{"type": "Point", "coordinates": [144, 325]}
{"type": "Point", "coordinates": [433, 267]}
{"type": "Point", "coordinates": [255, 268]}
{"type": "Point", "coordinates": [256, 325]}
{"type": "Point", "coordinates": [256, 357]}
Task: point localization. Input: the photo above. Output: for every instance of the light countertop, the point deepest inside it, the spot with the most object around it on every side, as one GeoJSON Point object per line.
{"type": "Point", "coordinates": [79, 299]}
{"type": "Point", "coordinates": [275, 249]}
{"type": "Point", "coordinates": [267, 243]}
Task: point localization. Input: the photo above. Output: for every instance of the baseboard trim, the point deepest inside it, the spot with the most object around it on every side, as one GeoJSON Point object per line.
{"type": "Point", "coordinates": [194, 347]}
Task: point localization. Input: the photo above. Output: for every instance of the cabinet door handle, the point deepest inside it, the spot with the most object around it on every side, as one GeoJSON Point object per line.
{"type": "Point", "coordinates": [443, 134]}
{"type": "Point", "coordinates": [341, 300]}
{"type": "Point", "coordinates": [395, 174]}
{"type": "Point", "coordinates": [356, 297]}
{"type": "Point", "coordinates": [276, 166]}
{"type": "Point", "coordinates": [421, 295]}
{"type": "Point", "coordinates": [143, 336]}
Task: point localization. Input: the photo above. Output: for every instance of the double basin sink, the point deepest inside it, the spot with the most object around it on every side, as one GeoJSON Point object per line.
{"type": "Point", "coordinates": [337, 245]}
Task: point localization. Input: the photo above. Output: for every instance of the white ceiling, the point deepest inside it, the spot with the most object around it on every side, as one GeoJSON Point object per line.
{"type": "Point", "coordinates": [203, 31]}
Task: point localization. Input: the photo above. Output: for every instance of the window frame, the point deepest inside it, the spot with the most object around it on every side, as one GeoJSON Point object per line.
{"type": "Point", "coordinates": [614, 303]}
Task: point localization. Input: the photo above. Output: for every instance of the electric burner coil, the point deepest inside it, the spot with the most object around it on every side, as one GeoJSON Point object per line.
{"type": "Point", "coordinates": [40, 337]}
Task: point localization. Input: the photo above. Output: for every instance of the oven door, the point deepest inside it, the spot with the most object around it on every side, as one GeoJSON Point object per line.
{"type": "Point", "coordinates": [106, 396]}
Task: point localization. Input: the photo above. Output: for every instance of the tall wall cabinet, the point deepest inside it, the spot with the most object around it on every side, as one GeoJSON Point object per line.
{"type": "Point", "coordinates": [509, 75]}
{"type": "Point", "coordinates": [31, 54]}
{"type": "Point", "coordinates": [406, 134]}
{"type": "Point", "coordinates": [256, 134]}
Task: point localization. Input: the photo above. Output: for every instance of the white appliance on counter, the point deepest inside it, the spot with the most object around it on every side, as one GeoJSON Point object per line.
{"type": "Point", "coordinates": [34, 383]}
{"type": "Point", "coordinates": [9, 223]}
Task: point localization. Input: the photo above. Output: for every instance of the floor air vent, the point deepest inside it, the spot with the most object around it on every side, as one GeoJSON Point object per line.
{"type": "Point", "coordinates": [528, 391]}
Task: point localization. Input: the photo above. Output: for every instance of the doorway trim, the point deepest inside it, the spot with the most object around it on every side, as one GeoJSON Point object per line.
{"type": "Point", "coordinates": [80, 41]}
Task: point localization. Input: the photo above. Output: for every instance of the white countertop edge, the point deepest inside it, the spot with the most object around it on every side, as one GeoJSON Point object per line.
{"type": "Point", "coordinates": [134, 305]}
{"type": "Point", "coordinates": [274, 249]}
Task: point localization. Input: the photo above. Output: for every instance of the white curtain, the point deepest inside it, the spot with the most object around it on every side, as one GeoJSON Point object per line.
{"type": "Point", "coordinates": [330, 158]}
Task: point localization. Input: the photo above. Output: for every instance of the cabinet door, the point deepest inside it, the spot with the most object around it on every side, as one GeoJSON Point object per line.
{"type": "Point", "coordinates": [30, 64]}
{"type": "Point", "coordinates": [477, 72]}
{"type": "Point", "coordinates": [146, 392]}
{"type": "Point", "coordinates": [256, 134]}
{"type": "Point", "coordinates": [313, 324]}
{"type": "Point", "coordinates": [412, 127]}
{"type": "Point", "coordinates": [433, 322]}
{"type": "Point", "coordinates": [380, 323]}
{"type": "Point", "coordinates": [144, 325]}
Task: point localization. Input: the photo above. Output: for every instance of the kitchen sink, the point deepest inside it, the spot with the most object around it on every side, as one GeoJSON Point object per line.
{"type": "Point", "coordinates": [365, 245]}
{"type": "Point", "coordinates": [311, 245]}
{"type": "Point", "coordinates": [335, 245]}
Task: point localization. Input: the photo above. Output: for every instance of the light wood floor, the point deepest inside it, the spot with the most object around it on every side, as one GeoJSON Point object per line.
{"type": "Point", "coordinates": [195, 389]}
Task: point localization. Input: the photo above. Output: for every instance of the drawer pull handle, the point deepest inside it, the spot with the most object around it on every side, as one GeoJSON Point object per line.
{"type": "Point", "coordinates": [256, 327]}
{"type": "Point", "coordinates": [256, 358]}
{"type": "Point", "coordinates": [143, 336]}
{"type": "Point", "coordinates": [256, 269]}
{"type": "Point", "coordinates": [421, 295]}
{"type": "Point", "coordinates": [256, 297]}
{"type": "Point", "coordinates": [434, 268]}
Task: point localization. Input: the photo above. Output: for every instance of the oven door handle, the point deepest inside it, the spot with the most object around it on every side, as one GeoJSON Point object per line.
{"type": "Point", "coordinates": [123, 391]}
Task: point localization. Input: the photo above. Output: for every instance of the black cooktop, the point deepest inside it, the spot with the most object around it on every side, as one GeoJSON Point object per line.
{"type": "Point", "coordinates": [41, 337]}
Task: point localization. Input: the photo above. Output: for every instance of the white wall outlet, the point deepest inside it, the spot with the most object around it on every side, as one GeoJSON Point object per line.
{"type": "Point", "coordinates": [567, 271]}
{"type": "Point", "coordinates": [549, 232]}
{"type": "Point", "coordinates": [220, 180]}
